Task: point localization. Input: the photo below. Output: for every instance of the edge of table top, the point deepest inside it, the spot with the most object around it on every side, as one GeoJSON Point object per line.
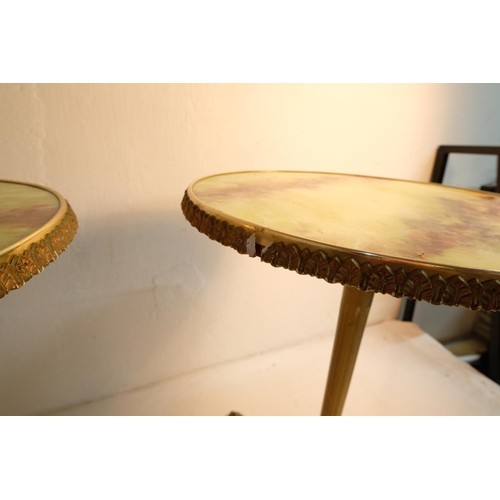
{"type": "Point", "coordinates": [432, 283]}
{"type": "Point", "coordinates": [29, 256]}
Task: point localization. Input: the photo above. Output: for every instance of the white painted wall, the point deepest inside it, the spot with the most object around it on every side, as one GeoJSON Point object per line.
{"type": "Point", "coordinates": [140, 296]}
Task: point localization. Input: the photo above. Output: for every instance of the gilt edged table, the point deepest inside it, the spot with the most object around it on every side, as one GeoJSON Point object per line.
{"type": "Point", "coordinates": [372, 235]}
{"type": "Point", "coordinates": [36, 225]}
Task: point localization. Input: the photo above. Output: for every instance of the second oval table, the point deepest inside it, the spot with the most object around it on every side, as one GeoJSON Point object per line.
{"type": "Point", "coordinates": [372, 235]}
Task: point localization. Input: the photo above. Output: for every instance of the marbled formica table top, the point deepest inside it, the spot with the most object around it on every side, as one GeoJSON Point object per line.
{"type": "Point", "coordinates": [23, 210]}
{"type": "Point", "coordinates": [36, 225]}
{"type": "Point", "coordinates": [410, 239]}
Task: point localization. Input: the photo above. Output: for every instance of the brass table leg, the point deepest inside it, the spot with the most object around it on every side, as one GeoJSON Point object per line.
{"type": "Point", "coordinates": [354, 310]}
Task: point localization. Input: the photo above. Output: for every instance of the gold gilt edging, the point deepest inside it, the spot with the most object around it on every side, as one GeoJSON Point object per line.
{"type": "Point", "coordinates": [21, 267]}
{"type": "Point", "coordinates": [417, 284]}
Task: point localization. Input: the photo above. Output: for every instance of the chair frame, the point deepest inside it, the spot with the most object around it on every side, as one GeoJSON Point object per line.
{"type": "Point", "coordinates": [490, 365]}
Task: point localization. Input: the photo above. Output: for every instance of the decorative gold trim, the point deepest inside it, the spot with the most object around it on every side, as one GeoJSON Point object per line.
{"type": "Point", "coordinates": [22, 266]}
{"type": "Point", "coordinates": [381, 278]}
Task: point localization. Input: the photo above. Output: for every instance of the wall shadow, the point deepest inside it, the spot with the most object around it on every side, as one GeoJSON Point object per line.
{"type": "Point", "coordinates": [115, 311]}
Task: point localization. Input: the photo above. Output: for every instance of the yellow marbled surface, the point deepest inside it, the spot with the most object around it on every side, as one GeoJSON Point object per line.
{"type": "Point", "coordinates": [23, 210]}
{"type": "Point", "coordinates": [400, 219]}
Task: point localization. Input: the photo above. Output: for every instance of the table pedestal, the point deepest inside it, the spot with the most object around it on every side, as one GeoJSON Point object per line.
{"type": "Point", "coordinates": [354, 310]}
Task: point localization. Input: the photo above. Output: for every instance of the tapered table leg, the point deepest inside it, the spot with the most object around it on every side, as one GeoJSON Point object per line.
{"type": "Point", "coordinates": [354, 310]}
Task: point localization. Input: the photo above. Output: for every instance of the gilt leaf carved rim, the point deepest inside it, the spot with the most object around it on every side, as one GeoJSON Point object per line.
{"type": "Point", "coordinates": [386, 278]}
{"type": "Point", "coordinates": [32, 257]}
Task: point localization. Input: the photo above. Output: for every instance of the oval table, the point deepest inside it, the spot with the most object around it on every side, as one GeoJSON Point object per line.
{"type": "Point", "coordinates": [36, 225]}
{"type": "Point", "coordinates": [408, 239]}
